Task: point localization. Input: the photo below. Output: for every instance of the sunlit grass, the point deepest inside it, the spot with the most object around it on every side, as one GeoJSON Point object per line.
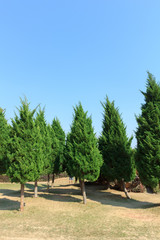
{"type": "Point", "coordinates": [60, 214]}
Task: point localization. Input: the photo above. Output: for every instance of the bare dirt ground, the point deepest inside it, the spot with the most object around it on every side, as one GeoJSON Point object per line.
{"type": "Point", "coordinates": [60, 213]}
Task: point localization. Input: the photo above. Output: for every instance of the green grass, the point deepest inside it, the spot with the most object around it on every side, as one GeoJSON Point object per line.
{"type": "Point", "coordinates": [60, 214]}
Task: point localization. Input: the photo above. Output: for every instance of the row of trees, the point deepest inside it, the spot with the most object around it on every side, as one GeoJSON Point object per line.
{"type": "Point", "coordinates": [30, 147]}
{"type": "Point", "coordinates": [120, 161]}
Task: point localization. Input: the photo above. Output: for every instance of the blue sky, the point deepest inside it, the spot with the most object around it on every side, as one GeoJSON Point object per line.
{"type": "Point", "coordinates": [58, 53]}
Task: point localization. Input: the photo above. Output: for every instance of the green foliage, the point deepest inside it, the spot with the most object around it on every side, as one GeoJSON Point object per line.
{"type": "Point", "coordinates": [46, 145]}
{"type": "Point", "coordinates": [148, 135]}
{"type": "Point", "coordinates": [50, 143]}
{"type": "Point", "coordinates": [82, 155]}
{"type": "Point", "coordinates": [59, 133]}
{"type": "Point", "coordinates": [4, 141]}
{"type": "Point", "coordinates": [60, 136]}
{"type": "Point", "coordinates": [115, 146]}
{"type": "Point", "coordinates": [52, 149]}
{"type": "Point", "coordinates": [41, 122]}
{"type": "Point", "coordinates": [26, 155]}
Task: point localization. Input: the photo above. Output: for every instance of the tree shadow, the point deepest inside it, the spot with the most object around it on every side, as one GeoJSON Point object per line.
{"type": "Point", "coordinates": [14, 193]}
{"type": "Point", "coordinates": [95, 193]}
{"type": "Point", "coordinates": [64, 194]}
{"type": "Point", "coordinates": [67, 185]}
{"type": "Point", "coordinates": [7, 204]}
{"type": "Point", "coordinates": [60, 198]}
{"type": "Point", "coordinates": [31, 186]}
{"type": "Point", "coordinates": [10, 193]}
{"type": "Point", "coordinates": [107, 198]}
{"type": "Point", "coordinates": [44, 186]}
{"type": "Point", "coordinates": [55, 194]}
{"type": "Point", "coordinates": [66, 191]}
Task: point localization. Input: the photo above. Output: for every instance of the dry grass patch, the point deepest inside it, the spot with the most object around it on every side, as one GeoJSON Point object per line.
{"type": "Point", "coordinates": [60, 214]}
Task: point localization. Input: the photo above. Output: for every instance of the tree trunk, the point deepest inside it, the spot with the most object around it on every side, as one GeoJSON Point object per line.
{"type": "Point", "coordinates": [108, 185]}
{"type": "Point", "coordinates": [125, 190]}
{"type": "Point", "coordinates": [75, 180]}
{"type": "Point", "coordinates": [52, 180]}
{"type": "Point", "coordinates": [48, 182]}
{"type": "Point", "coordinates": [84, 192]}
{"type": "Point", "coordinates": [22, 198]}
{"type": "Point", "coordinates": [35, 189]}
{"type": "Point", "coordinates": [80, 184]}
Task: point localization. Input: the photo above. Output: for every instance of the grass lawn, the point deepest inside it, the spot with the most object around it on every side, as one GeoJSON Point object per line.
{"type": "Point", "coordinates": [60, 214]}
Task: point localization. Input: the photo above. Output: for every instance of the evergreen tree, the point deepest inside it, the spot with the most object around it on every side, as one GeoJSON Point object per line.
{"type": "Point", "coordinates": [4, 141]}
{"type": "Point", "coordinates": [49, 144]}
{"type": "Point", "coordinates": [115, 147]}
{"type": "Point", "coordinates": [52, 149]}
{"type": "Point", "coordinates": [60, 135]}
{"type": "Point", "coordinates": [148, 135]}
{"type": "Point", "coordinates": [26, 158]}
{"type": "Point", "coordinates": [42, 125]}
{"type": "Point", "coordinates": [82, 155]}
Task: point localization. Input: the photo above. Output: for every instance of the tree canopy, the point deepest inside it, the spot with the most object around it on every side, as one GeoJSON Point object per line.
{"type": "Point", "coordinates": [83, 157]}
{"type": "Point", "coordinates": [4, 142]}
{"type": "Point", "coordinates": [26, 158]}
{"type": "Point", "coordinates": [115, 146]}
{"type": "Point", "coordinates": [82, 154]}
{"type": "Point", "coordinates": [60, 137]}
{"type": "Point", "coordinates": [148, 135]}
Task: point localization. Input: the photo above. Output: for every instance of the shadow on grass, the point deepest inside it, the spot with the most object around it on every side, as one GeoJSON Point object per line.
{"type": "Point", "coordinates": [60, 198]}
{"type": "Point", "coordinates": [94, 193]}
{"type": "Point", "coordinates": [64, 194]}
{"type": "Point", "coordinates": [65, 191]}
{"type": "Point", "coordinates": [117, 200]}
{"type": "Point", "coordinates": [7, 204]}
{"type": "Point", "coordinates": [54, 190]}
{"type": "Point", "coordinates": [30, 186]}
{"type": "Point", "coordinates": [61, 194]}
{"type": "Point", "coordinates": [10, 193]}
{"type": "Point", "coordinates": [55, 194]}
{"type": "Point", "coordinates": [67, 185]}
{"type": "Point", "coordinates": [14, 193]}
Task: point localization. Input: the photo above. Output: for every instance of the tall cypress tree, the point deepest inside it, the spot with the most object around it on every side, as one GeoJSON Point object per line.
{"type": "Point", "coordinates": [4, 141]}
{"type": "Point", "coordinates": [49, 144]}
{"type": "Point", "coordinates": [82, 155]}
{"type": "Point", "coordinates": [115, 147]}
{"type": "Point", "coordinates": [52, 151]}
{"type": "Point", "coordinates": [60, 136]}
{"type": "Point", "coordinates": [42, 125]}
{"type": "Point", "coordinates": [26, 159]}
{"type": "Point", "coordinates": [148, 135]}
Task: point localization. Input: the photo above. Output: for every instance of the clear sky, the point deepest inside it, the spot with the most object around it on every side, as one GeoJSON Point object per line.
{"type": "Point", "coordinates": [60, 52]}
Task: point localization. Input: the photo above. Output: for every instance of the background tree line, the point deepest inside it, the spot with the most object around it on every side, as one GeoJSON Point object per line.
{"type": "Point", "coordinates": [30, 147]}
